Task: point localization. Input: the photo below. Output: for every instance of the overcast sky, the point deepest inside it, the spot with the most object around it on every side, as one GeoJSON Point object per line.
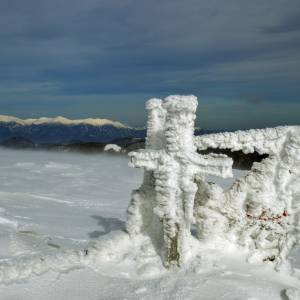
{"type": "Point", "coordinates": [93, 58]}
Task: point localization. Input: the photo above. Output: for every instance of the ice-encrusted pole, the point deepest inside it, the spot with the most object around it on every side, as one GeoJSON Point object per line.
{"type": "Point", "coordinates": [156, 124]}
{"type": "Point", "coordinates": [143, 199]}
{"type": "Point", "coordinates": [155, 139]}
{"type": "Point", "coordinates": [171, 164]}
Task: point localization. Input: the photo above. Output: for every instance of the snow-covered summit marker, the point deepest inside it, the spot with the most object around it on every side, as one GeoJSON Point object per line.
{"type": "Point", "coordinates": [163, 206]}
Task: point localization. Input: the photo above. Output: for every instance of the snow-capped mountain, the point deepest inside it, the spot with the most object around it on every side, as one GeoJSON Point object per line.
{"type": "Point", "coordinates": [61, 130]}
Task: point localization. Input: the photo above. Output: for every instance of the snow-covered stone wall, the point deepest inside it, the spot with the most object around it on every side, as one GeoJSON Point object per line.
{"type": "Point", "coordinates": [259, 212]}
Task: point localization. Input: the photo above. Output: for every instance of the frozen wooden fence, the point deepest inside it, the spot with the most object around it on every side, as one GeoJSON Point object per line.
{"type": "Point", "coordinates": [259, 212]}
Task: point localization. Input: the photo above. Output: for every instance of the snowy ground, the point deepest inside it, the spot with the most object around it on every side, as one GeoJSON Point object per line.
{"type": "Point", "coordinates": [53, 203]}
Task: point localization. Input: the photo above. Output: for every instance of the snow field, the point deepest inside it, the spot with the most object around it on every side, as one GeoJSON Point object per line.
{"type": "Point", "coordinates": [62, 218]}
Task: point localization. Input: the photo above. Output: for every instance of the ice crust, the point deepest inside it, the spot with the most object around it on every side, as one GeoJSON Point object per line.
{"type": "Point", "coordinates": [163, 207]}
{"type": "Point", "coordinates": [263, 141]}
{"type": "Point", "coordinates": [259, 212]}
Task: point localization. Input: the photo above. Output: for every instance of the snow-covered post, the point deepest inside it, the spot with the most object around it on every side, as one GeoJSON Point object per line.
{"type": "Point", "coordinates": [156, 124]}
{"type": "Point", "coordinates": [142, 199]}
{"type": "Point", "coordinates": [175, 185]}
{"type": "Point", "coordinates": [173, 164]}
{"type": "Point", "coordinates": [155, 139]}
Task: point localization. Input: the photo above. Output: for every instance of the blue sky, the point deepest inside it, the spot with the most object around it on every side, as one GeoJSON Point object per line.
{"type": "Point", "coordinates": [106, 58]}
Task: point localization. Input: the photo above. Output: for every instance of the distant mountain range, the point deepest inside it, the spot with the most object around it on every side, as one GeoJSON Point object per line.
{"type": "Point", "coordinates": [64, 131]}
{"type": "Point", "coordinates": [48, 132]}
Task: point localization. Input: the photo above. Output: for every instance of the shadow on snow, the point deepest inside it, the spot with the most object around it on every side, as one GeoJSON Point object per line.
{"type": "Point", "coordinates": [107, 224]}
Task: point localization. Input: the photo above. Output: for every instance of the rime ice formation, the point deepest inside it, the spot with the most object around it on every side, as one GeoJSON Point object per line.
{"type": "Point", "coordinates": [260, 212]}
{"type": "Point", "coordinates": [260, 140]}
{"type": "Point", "coordinates": [292, 294]}
{"type": "Point", "coordinates": [163, 206]}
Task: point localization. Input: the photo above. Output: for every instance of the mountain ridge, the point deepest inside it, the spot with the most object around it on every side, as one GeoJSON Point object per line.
{"type": "Point", "coordinates": [61, 130]}
{"type": "Point", "coordinates": [61, 120]}
{"type": "Point", "coordinates": [57, 131]}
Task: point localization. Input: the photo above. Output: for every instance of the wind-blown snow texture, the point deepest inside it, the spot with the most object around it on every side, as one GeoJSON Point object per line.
{"type": "Point", "coordinates": [57, 221]}
{"type": "Point", "coordinates": [262, 210]}
{"type": "Point", "coordinates": [163, 207]}
{"type": "Point", "coordinates": [259, 212]}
